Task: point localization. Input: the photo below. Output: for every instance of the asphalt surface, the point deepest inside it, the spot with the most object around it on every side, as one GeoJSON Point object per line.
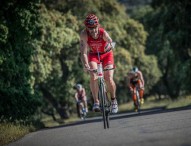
{"type": "Point", "coordinates": [156, 127]}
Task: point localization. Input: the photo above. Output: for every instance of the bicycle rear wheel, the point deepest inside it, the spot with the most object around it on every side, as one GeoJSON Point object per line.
{"type": "Point", "coordinates": [103, 104]}
{"type": "Point", "coordinates": [84, 115]}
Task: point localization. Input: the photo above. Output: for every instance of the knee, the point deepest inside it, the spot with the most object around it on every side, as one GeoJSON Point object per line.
{"type": "Point", "coordinates": [93, 77]}
{"type": "Point", "coordinates": [83, 100]}
{"type": "Point", "coordinates": [109, 79]}
{"type": "Point", "coordinates": [80, 104]}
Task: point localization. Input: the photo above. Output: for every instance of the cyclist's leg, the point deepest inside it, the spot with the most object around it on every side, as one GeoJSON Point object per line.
{"type": "Point", "coordinates": [81, 109]}
{"type": "Point", "coordinates": [111, 87]}
{"type": "Point", "coordinates": [141, 91]}
{"type": "Point", "coordinates": [80, 105]}
{"type": "Point", "coordinates": [133, 94]}
{"type": "Point", "coordinates": [84, 100]}
{"type": "Point", "coordinates": [94, 85]}
{"type": "Point", "coordinates": [108, 62]}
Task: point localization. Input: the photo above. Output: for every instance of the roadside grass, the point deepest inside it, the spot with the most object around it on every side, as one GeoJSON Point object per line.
{"type": "Point", "coordinates": [129, 107]}
{"type": "Point", "coordinates": [180, 102]}
{"type": "Point", "coordinates": [152, 102]}
{"type": "Point", "coordinates": [10, 132]}
{"type": "Point", "coordinates": [49, 122]}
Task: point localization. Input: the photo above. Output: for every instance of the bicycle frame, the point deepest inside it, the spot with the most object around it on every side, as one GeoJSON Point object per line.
{"type": "Point", "coordinates": [102, 94]}
{"type": "Point", "coordinates": [81, 110]}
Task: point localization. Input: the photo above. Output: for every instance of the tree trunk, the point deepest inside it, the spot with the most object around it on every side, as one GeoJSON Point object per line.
{"type": "Point", "coordinates": [48, 96]}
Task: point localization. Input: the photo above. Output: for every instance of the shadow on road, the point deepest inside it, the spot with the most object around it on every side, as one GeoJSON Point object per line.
{"type": "Point", "coordinates": [128, 114]}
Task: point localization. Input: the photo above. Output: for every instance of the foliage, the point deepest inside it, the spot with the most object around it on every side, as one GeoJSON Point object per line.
{"type": "Point", "coordinates": [17, 102]}
{"type": "Point", "coordinates": [169, 40]}
{"type": "Point", "coordinates": [56, 51]}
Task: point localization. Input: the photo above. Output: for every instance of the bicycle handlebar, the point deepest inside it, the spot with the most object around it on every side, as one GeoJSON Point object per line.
{"type": "Point", "coordinates": [95, 70]}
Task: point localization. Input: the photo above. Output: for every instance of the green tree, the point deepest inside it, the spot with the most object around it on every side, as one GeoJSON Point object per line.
{"type": "Point", "coordinates": [17, 25]}
{"type": "Point", "coordinates": [169, 40]}
{"type": "Point", "coordinates": [53, 63]}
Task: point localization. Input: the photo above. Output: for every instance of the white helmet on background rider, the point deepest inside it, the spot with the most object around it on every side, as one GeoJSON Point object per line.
{"type": "Point", "coordinates": [78, 86]}
{"type": "Point", "coordinates": [135, 69]}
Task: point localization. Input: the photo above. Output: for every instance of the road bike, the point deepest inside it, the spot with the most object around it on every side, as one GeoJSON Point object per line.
{"type": "Point", "coordinates": [82, 111]}
{"type": "Point", "coordinates": [105, 101]}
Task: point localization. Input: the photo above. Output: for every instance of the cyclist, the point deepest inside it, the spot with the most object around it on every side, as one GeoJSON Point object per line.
{"type": "Point", "coordinates": [80, 97]}
{"type": "Point", "coordinates": [94, 39]}
{"type": "Point", "coordinates": [135, 78]}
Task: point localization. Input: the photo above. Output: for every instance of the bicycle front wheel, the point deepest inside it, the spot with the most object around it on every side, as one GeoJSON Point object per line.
{"type": "Point", "coordinates": [102, 97]}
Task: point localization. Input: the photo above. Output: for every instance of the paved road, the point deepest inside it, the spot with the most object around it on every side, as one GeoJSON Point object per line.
{"type": "Point", "coordinates": [155, 127]}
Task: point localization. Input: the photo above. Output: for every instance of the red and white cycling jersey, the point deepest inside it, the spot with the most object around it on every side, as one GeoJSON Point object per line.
{"type": "Point", "coordinates": [98, 44]}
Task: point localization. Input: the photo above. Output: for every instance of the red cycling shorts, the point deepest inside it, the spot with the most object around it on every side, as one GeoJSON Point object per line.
{"type": "Point", "coordinates": [106, 58]}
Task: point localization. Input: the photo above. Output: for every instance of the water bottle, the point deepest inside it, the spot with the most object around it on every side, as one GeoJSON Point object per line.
{"type": "Point", "coordinates": [99, 69]}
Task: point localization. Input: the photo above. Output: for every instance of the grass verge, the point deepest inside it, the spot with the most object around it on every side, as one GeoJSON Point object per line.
{"type": "Point", "coordinates": [152, 102]}
{"type": "Point", "coordinates": [10, 132]}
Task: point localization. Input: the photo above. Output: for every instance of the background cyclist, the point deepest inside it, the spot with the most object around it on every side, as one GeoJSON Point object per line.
{"type": "Point", "coordinates": [135, 78]}
{"type": "Point", "coordinates": [92, 39]}
{"type": "Point", "coordinates": [81, 99]}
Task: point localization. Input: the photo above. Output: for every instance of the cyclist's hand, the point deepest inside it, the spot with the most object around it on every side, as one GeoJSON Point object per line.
{"type": "Point", "coordinates": [86, 67]}
{"type": "Point", "coordinates": [76, 101]}
{"type": "Point", "coordinates": [112, 45]}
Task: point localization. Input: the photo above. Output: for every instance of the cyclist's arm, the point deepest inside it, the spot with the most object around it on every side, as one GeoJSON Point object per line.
{"type": "Point", "coordinates": [76, 97]}
{"type": "Point", "coordinates": [83, 49]}
{"type": "Point", "coordinates": [141, 77]}
{"type": "Point", "coordinates": [84, 94]}
{"type": "Point", "coordinates": [107, 38]}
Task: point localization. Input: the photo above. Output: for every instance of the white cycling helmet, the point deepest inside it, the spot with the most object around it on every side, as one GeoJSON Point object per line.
{"type": "Point", "coordinates": [78, 86]}
{"type": "Point", "coordinates": [135, 69]}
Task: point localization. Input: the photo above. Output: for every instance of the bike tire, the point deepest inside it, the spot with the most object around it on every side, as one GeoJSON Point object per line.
{"type": "Point", "coordinates": [108, 105]}
{"type": "Point", "coordinates": [84, 116]}
{"type": "Point", "coordinates": [102, 96]}
{"type": "Point", "coordinates": [107, 120]}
